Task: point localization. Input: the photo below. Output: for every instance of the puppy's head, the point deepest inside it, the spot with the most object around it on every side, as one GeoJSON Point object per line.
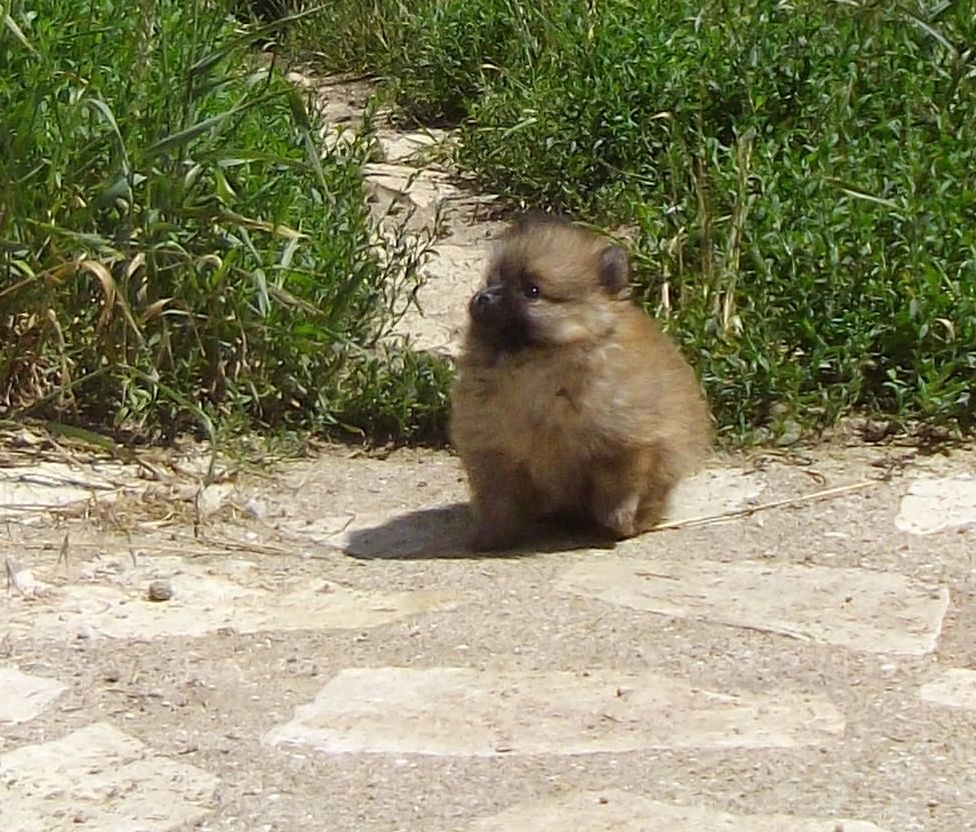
{"type": "Point", "coordinates": [549, 283]}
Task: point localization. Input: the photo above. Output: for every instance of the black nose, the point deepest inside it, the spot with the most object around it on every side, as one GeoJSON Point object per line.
{"type": "Point", "coordinates": [483, 305]}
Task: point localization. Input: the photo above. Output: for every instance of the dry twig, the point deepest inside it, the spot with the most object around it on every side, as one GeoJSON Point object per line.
{"type": "Point", "coordinates": [708, 519]}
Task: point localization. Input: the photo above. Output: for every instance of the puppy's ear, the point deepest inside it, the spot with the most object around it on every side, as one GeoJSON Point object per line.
{"type": "Point", "coordinates": [614, 269]}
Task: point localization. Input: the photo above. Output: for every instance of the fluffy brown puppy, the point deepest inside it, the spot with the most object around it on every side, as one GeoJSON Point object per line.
{"type": "Point", "coordinates": [569, 400]}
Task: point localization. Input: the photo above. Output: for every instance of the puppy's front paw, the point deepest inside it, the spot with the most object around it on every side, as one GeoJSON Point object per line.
{"type": "Point", "coordinates": [620, 519]}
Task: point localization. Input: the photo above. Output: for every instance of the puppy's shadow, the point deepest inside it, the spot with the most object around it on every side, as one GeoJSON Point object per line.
{"type": "Point", "coordinates": [445, 532]}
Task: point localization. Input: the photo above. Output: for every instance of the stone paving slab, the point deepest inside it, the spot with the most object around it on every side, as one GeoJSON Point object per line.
{"type": "Point", "coordinates": [23, 696]}
{"type": "Point", "coordinates": [468, 712]}
{"type": "Point", "coordinates": [618, 811]}
{"type": "Point", "coordinates": [880, 612]}
{"type": "Point", "coordinates": [50, 485]}
{"type": "Point", "coordinates": [99, 778]}
{"type": "Point", "coordinates": [714, 491]}
{"type": "Point", "coordinates": [207, 598]}
{"type": "Point", "coordinates": [935, 504]}
{"type": "Point", "coordinates": [453, 273]}
{"type": "Point", "coordinates": [956, 688]}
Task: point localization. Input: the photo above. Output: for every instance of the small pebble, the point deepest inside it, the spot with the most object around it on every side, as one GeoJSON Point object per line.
{"type": "Point", "coordinates": [160, 591]}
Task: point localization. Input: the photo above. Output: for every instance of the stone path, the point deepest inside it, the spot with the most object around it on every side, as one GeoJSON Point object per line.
{"type": "Point", "coordinates": [327, 657]}
{"type": "Point", "coordinates": [409, 177]}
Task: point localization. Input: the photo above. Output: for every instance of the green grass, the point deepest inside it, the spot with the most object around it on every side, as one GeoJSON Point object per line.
{"type": "Point", "coordinates": [350, 35]}
{"type": "Point", "coordinates": [801, 177]}
{"type": "Point", "coordinates": [436, 57]}
{"type": "Point", "coordinates": [175, 247]}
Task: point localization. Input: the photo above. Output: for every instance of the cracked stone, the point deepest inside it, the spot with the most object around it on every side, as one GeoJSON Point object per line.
{"type": "Point", "coordinates": [934, 505]}
{"type": "Point", "coordinates": [104, 777]}
{"type": "Point", "coordinates": [879, 612]}
{"type": "Point", "coordinates": [619, 811]}
{"type": "Point", "coordinates": [468, 712]}
{"type": "Point", "coordinates": [25, 696]}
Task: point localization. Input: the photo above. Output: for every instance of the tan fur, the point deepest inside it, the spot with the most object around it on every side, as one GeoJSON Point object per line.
{"type": "Point", "coordinates": [598, 417]}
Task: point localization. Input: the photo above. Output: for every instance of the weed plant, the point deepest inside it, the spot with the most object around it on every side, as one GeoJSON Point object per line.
{"type": "Point", "coordinates": [174, 244]}
{"type": "Point", "coordinates": [800, 176]}
{"type": "Point", "coordinates": [435, 56]}
{"type": "Point", "coordinates": [350, 35]}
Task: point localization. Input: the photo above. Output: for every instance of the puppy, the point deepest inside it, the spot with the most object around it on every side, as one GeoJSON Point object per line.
{"type": "Point", "coordinates": [569, 401]}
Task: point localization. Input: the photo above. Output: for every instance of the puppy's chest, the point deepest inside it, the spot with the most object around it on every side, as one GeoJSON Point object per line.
{"type": "Point", "coordinates": [547, 401]}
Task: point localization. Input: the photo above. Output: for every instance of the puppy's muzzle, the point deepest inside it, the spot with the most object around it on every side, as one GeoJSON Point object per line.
{"type": "Point", "coordinates": [486, 305]}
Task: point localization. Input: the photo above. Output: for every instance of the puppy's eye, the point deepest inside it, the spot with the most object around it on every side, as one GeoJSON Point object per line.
{"type": "Point", "coordinates": [531, 290]}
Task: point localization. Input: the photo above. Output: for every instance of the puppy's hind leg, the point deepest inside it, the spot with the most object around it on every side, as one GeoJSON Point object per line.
{"type": "Point", "coordinates": [664, 471]}
{"type": "Point", "coordinates": [614, 492]}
